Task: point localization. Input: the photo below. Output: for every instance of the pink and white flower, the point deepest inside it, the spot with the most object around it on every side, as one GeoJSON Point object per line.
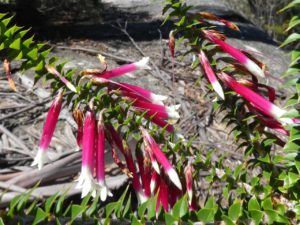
{"type": "Point", "coordinates": [52, 117]}
{"type": "Point", "coordinates": [123, 147]}
{"type": "Point", "coordinates": [154, 98]}
{"type": "Point", "coordinates": [235, 53]}
{"type": "Point", "coordinates": [161, 158]}
{"type": "Point", "coordinates": [189, 181]}
{"type": "Point", "coordinates": [259, 102]}
{"type": "Point", "coordinates": [53, 71]}
{"type": "Point", "coordinates": [211, 75]}
{"type": "Point", "coordinates": [86, 181]}
{"type": "Point", "coordinates": [100, 160]}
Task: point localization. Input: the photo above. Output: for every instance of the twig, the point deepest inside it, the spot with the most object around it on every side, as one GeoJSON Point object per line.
{"type": "Point", "coordinates": [17, 189]}
{"type": "Point", "coordinates": [24, 109]}
{"type": "Point", "coordinates": [33, 176]}
{"type": "Point", "coordinates": [16, 140]}
{"type": "Point", "coordinates": [96, 52]}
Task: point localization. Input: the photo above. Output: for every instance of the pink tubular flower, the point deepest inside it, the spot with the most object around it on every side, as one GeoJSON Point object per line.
{"type": "Point", "coordinates": [211, 75]}
{"type": "Point", "coordinates": [163, 195]}
{"type": "Point", "coordinates": [142, 64]}
{"type": "Point", "coordinates": [259, 102]}
{"type": "Point", "coordinates": [145, 171]}
{"type": "Point", "coordinates": [48, 131]}
{"type": "Point", "coordinates": [189, 181]}
{"type": "Point", "coordinates": [154, 98]}
{"type": "Point", "coordinates": [175, 195]}
{"type": "Point", "coordinates": [138, 95]}
{"type": "Point", "coordinates": [154, 182]}
{"type": "Point", "coordinates": [78, 117]}
{"type": "Point", "coordinates": [268, 121]}
{"type": "Point", "coordinates": [53, 71]}
{"type": "Point", "coordinates": [100, 159]}
{"type": "Point", "coordinates": [86, 180]}
{"type": "Point", "coordinates": [161, 158]}
{"type": "Point", "coordinates": [235, 53]}
{"type": "Point", "coordinates": [123, 147]}
{"type": "Point", "coordinates": [160, 111]}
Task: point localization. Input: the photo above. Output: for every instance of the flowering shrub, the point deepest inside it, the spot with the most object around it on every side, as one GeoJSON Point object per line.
{"type": "Point", "coordinates": [165, 178]}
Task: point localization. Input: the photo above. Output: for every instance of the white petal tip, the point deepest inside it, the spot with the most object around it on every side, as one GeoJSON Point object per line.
{"type": "Point", "coordinates": [152, 186]}
{"type": "Point", "coordinates": [156, 167]}
{"type": "Point", "coordinates": [143, 64]}
{"type": "Point", "coordinates": [141, 197]}
{"type": "Point", "coordinates": [218, 89]}
{"type": "Point", "coordinates": [71, 87]}
{"type": "Point", "coordinates": [254, 68]}
{"type": "Point", "coordinates": [174, 178]}
{"type": "Point", "coordinates": [40, 159]}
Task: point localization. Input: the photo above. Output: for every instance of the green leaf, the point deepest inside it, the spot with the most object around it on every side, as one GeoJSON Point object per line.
{"type": "Point", "coordinates": [1, 221]}
{"type": "Point", "coordinates": [127, 206]}
{"type": "Point", "coordinates": [290, 39]}
{"type": "Point", "coordinates": [120, 203]}
{"type": "Point", "coordinates": [59, 203]}
{"type": "Point", "coordinates": [235, 211]}
{"type": "Point", "coordinates": [257, 216]}
{"type": "Point", "coordinates": [40, 216]}
{"type": "Point", "coordinates": [49, 202]}
{"type": "Point", "coordinates": [267, 204]}
{"type": "Point", "coordinates": [33, 54]}
{"type": "Point", "coordinates": [109, 208]}
{"type": "Point", "coordinates": [16, 44]}
{"type": "Point", "coordinates": [92, 209]}
{"type": "Point", "coordinates": [290, 5]}
{"type": "Point", "coordinates": [169, 219]}
{"type": "Point", "coordinates": [152, 207]}
{"type": "Point", "coordinates": [142, 209]}
{"type": "Point", "coordinates": [206, 215]}
{"type": "Point", "coordinates": [227, 220]}
{"type": "Point", "coordinates": [293, 22]}
{"type": "Point", "coordinates": [13, 203]}
{"type": "Point", "coordinates": [135, 221]}
{"type": "Point", "coordinates": [180, 208]}
{"type": "Point", "coordinates": [76, 212]}
{"type": "Point", "coordinates": [293, 146]}
{"type": "Point", "coordinates": [253, 204]}
{"type": "Point", "coordinates": [272, 216]}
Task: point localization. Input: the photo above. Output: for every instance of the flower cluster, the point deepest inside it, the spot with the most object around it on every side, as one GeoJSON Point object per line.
{"type": "Point", "coordinates": [269, 114]}
{"type": "Point", "coordinates": [95, 132]}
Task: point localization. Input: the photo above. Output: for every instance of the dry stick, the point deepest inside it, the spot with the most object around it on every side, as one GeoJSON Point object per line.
{"type": "Point", "coordinates": [16, 188]}
{"type": "Point", "coordinates": [24, 109]}
{"type": "Point", "coordinates": [32, 177]}
{"type": "Point", "coordinates": [96, 52]}
{"type": "Point", "coordinates": [16, 140]}
{"type": "Point", "coordinates": [5, 177]}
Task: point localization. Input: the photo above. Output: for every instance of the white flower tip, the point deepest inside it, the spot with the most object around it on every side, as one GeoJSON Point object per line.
{"type": "Point", "coordinates": [71, 87]}
{"type": "Point", "coordinates": [156, 167]}
{"type": "Point", "coordinates": [86, 183]}
{"type": "Point", "coordinates": [218, 89]}
{"type": "Point", "coordinates": [172, 113]}
{"type": "Point", "coordinates": [143, 64]}
{"type": "Point", "coordinates": [141, 197]}
{"type": "Point", "coordinates": [157, 99]}
{"type": "Point", "coordinates": [254, 68]}
{"type": "Point", "coordinates": [40, 159]}
{"type": "Point", "coordinates": [174, 178]}
{"type": "Point", "coordinates": [190, 196]}
{"type": "Point", "coordinates": [152, 186]}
